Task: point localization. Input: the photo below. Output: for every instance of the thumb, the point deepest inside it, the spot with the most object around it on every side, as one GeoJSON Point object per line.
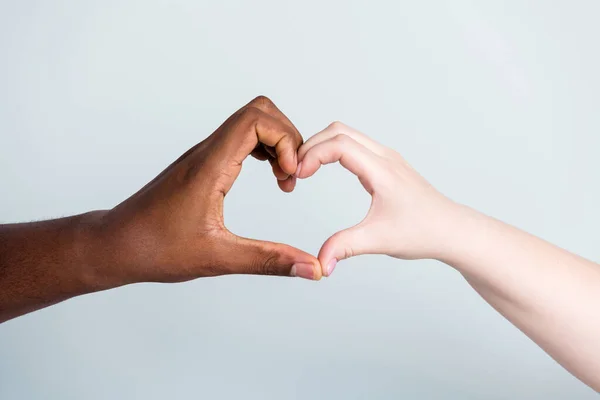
{"type": "Point", "coordinates": [248, 256]}
{"type": "Point", "coordinates": [344, 244]}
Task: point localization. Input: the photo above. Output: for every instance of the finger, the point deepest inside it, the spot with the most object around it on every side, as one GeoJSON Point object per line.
{"type": "Point", "coordinates": [256, 257]}
{"type": "Point", "coordinates": [352, 155]}
{"type": "Point", "coordinates": [265, 104]}
{"type": "Point", "coordinates": [278, 138]}
{"type": "Point", "coordinates": [286, 182]}
{"type": "Point", "coordinates": [287, 185]}
{"type": "Point", "coordinates": [274, 133]}
{"type": "Point", "coordinates": [345, 244]}
{"type": "Point", "coordinates": [247, 130]}
{"type": "Point", "coordinates": [340, 246]}
{"type": "Point", "coordinates": [337, 128]}
{"type": "Point", "coordinates": [277, 171]}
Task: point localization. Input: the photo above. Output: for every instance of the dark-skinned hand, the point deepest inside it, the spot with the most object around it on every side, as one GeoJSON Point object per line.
{"type": "Point", "coordinates": [173, 230]}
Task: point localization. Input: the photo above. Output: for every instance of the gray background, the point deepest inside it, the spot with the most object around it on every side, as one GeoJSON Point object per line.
{"type": "Point", "coordinates": [495, 103]}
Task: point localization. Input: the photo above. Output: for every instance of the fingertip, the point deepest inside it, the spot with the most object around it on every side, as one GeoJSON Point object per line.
{"type": "Point", "coordinates": [306, 270]}
{"type": "Point", "coordinates": [330, 266]}
{"type": "Point", "coordinates": [307, 169]}
{"type": "Point", "coordinates": [323, 264]}
{"type": "Point", "coordinates": [328, 258]}
{"type": "Point", "coordinates": [302, 152]}
{"type": "Point", "coordinates": [318, 271]}
{"type": "Point", "coordinates": [298, 169]}
{"type": "Point", "coordinates": [288, 184]}
{"type": "Point", "coordinates": [288, 162]}
{"type": "Point", "coordinates": [305, 265]}
{"type": "Point", "coordinates": [278, 172]}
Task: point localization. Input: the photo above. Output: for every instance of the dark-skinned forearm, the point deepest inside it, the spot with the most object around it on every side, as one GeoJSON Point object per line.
{"type": "Point", "coordinates": [43, 263]}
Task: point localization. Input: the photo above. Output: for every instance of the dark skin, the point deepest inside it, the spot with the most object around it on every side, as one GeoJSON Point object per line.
{"type": "Point", "coordinates": [171, 230]}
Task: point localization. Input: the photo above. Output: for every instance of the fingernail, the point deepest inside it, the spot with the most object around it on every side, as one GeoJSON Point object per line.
{"type": "Point", "coordinates": [298, 169]}
{"type": "Point", "coordinates": [331, 266]}
{"type": "Point", "coordinates": [303, 270]}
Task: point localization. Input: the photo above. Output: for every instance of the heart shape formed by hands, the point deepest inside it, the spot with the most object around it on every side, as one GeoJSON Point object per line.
{"type": "Point", "coordinates": [173, 229]}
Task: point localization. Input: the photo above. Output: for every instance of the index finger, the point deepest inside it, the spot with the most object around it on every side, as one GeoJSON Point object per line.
{"type": "Point", "coordinates": [338, 128]}
{"type": "Point", "coordinates": [247, 129]}
{"type": "Point", "coordinates": [267, 106]}
{"type": "Point", "coordinates": [352, 155]}
{"type": "Point", "coordinates": [285, 180]}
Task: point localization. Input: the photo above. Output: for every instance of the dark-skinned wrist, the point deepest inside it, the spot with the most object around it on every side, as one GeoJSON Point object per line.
{"type": "Point", "coordinates": [99, 251]}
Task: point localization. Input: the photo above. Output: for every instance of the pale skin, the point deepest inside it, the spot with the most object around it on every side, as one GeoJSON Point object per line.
{"type": "Point", "coordinates": [553, 296]}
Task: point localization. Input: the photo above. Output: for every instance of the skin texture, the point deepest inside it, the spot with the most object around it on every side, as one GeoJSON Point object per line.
{"type": "Point", "coordinates": [172, 230]}
{"type": "Point", "coordinates": [552, 295]}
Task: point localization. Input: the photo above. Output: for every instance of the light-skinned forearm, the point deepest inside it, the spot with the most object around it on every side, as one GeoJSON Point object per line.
{"type": "Point", "coordinates": [552, 295]}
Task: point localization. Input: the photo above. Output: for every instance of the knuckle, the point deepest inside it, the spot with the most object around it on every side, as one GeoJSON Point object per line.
{"type": "Point", "coordinates": [250, 115]}
{"type": "Point", "coordinates": [262, 100]}
{"type": "Point", "coordinates": [251, 112]}
{"type": "Point", "coordinates": [348, 252]}
{"type": "Point", "coordinates": [393, 155]}
{"type": "Point", "coordinates": [337, 126]}
{"type": "Point", "coordinates": [342, 139]}
{"type": "Point", "coordinates": [267, 265]}
{"type": "Point", "coordinates": [288, 139]}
